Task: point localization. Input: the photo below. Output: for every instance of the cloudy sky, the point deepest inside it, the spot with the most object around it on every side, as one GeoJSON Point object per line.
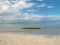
{"type": "Point", "coordinates": [30, 11]}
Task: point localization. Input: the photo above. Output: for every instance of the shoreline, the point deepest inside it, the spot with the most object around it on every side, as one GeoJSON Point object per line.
{"type": "Point", "coordinates": [28, 39]}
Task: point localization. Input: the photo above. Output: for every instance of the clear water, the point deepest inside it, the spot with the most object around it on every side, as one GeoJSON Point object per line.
{"type": "Point", "coordinates": [17, 28]}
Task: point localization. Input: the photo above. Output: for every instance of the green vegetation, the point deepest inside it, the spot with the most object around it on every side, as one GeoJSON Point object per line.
{"type": "Point", "coordinates": [31, 28]}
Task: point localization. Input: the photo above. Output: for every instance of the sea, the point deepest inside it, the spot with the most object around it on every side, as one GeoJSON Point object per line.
{"type": "Point", "coordinates": [45, 29]}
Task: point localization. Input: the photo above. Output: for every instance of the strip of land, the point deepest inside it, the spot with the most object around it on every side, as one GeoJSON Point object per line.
{"type": "Point", "coordinates": [31, 28]}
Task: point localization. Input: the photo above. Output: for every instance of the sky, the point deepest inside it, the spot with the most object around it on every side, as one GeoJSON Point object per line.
{"type": "Point", "coordinates": [30, 11]}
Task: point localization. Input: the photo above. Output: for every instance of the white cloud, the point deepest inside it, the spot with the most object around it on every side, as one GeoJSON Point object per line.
{"type": "Point", "coordinates": [40, 17]}
{"type": "Point", "coordinates": [40, 0]}
{"type": "Point", "coordinates": [4, 8]}
{"type": "Point", "coordinates": [21, 5]}
{"type": "Point", "coordinates": [16, 14]}
{"type": "Point", "coordinates": [41, 5]}
{"type": "Point", "coordinates": [18, 5]}
{"type": "Point", "coordinates": [50, 6]}
{"type": "Point", "coordinates": [26, 0]}
{"type": "Point", "coordinates": [27, 17]}
{"type": "Point", "coordinates": [54, 17]}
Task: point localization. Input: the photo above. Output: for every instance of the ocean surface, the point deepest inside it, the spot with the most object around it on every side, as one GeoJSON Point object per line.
{"type": "Point", "coordinates": [17, 28]}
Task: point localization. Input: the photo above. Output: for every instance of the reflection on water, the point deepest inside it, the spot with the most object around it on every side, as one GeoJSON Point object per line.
{"type": "Point", "coordinates": [17, 28]}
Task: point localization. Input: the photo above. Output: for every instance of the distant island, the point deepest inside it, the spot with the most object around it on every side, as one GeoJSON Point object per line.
{"type": "Point", "coordinates": [31, 28]}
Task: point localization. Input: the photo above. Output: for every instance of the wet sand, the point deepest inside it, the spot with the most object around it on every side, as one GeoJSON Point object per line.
{"type": "Point", "coordinates": [28, 39]}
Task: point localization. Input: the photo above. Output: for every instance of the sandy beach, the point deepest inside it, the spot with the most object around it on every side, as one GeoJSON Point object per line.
{"type": "Point", "coordinates": [27, 39]}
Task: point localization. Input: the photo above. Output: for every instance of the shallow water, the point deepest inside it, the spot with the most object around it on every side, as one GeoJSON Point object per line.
{"type": "Point", "coordinates": [17, 28]}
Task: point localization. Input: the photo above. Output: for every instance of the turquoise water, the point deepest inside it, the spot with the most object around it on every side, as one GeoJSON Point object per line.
{"type": "Point", "coordinates": [17, 28]}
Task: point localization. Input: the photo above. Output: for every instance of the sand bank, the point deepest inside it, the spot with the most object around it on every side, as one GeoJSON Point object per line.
{"type": "Point", "coordinates": [21, 39]}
